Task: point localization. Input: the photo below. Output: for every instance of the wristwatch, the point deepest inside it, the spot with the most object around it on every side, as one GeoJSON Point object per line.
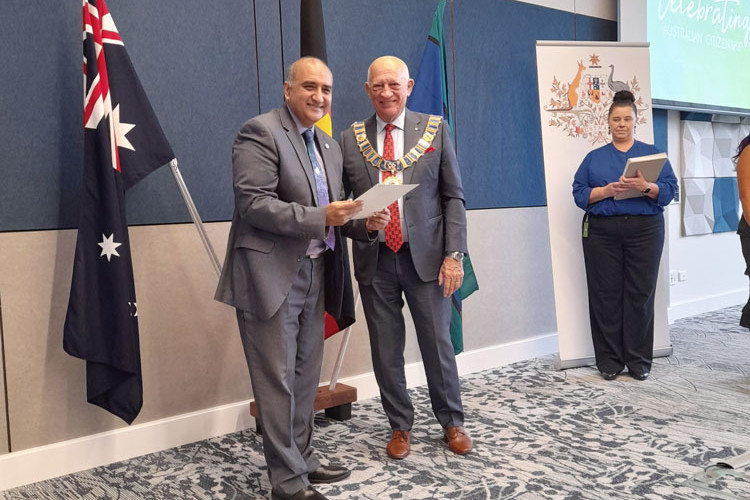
{"type": "Point", "coordinates": [648, 189]}
{"type": "Point", "coordinates": [459, 256]}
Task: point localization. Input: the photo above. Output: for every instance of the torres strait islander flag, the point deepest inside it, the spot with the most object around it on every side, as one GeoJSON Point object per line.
{"type": "Point", "coordinates": [123, 142]}
{"type": "Point", "coordinates": [430, 95]}
{"type": "Point", "coordinates": [313, 43]}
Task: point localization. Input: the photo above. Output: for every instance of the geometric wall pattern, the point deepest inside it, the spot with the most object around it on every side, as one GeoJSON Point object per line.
{"type": "Point", "coordinates": [697, 149]}
{"type": "Point", "coordinates": [725, 144]}
{"type": "Point", "coordinates": [711, 201]}
{"type": "Point", "coordinates": [698, 206]}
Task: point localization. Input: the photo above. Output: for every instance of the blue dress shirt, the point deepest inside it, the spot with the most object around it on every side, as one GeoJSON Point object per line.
{"type": "Point", "coordinates": [606, 164]}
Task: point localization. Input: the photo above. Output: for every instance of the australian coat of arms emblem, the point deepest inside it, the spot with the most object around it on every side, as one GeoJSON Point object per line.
{"type": "Point", "coordinates": [580, 101]}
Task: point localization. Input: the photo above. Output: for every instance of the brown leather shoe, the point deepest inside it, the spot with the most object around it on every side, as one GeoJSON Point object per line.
{"type": "Point", "coordinates": [399, 445]}
{"type": "Point", "coordinates": [458, 441]}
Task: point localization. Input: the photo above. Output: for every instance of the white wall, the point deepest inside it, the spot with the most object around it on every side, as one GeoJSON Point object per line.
{"type": "Point", "coordinates": [603, 9]}
{"type": "Point", "coordinates": [713, 262]}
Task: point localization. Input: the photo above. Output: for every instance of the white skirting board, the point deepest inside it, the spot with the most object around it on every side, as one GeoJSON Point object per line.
{"type": "Point", "coordinates": [700, 305]}
{"type": "Point", "coordinates": [45, 462]}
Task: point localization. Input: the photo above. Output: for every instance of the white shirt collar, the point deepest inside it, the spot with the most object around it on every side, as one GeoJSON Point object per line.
{"type": "Point", "coordinates": [398, 122]}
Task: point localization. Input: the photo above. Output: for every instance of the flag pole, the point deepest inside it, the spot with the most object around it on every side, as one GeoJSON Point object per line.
{"type": "Point", "coordinates": [5, 377]}
{"type": "Point", "coordinates": [194, 215]}
{"type": "Point", "coordinates": [342, 348]}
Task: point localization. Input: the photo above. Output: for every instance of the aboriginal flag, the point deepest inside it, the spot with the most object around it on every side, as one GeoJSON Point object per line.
{"type": "Point", "coordinates": [313, 43]}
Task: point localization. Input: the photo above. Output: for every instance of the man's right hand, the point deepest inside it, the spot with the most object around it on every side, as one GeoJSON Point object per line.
{"type": "Point", "coordinates": [338, 213]}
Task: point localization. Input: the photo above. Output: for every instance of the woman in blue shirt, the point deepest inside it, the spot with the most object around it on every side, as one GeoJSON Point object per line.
{"type": "Point", "coordinates": [622, 245]}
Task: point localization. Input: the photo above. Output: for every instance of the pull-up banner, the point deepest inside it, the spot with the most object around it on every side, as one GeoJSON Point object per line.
{"type": "Point", "coordinates": [577, 81]}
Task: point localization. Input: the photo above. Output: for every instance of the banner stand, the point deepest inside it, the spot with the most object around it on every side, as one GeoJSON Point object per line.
{"type": "Point", "coordinates": [576, 82]}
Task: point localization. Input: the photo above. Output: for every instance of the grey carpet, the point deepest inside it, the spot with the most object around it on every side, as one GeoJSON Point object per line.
{"type": "Point", "coordinates": [538, 434]}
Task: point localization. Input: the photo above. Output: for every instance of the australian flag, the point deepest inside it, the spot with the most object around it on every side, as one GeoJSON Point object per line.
{"type": "Point", "coordinates": [123, 142]}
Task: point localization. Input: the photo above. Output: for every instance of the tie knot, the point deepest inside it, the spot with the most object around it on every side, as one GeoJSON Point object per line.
{"type": "Point", "coordinates": [308, 135]}
{"type": "Point", "coordinates": [389, 127]}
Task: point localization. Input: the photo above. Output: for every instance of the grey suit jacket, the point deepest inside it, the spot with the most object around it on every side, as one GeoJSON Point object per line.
{"type": "Point", "coordinates": [276, 214]}
{"type": "Point", "coordinates": [434, 212]}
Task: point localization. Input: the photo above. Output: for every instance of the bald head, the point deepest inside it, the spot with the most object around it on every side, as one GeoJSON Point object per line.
{"type": "Point", "coordinates": [386, 63]}
{"type": "Point", "coordinates": [388, 86]}
{"type": "Point", "coordinates": [291, 70]}
{"type": "Point", "coordinates": [308, 90]}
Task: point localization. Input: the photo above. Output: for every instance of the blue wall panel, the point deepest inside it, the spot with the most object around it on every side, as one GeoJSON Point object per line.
{"type": "Point", "coordinates": [497, 106]}
{"type": "Point", "coordinates": [354, 39]}
{"type": "Point", "coordinates": [41, 114]}
{"type": "Point", "coordinates": [269, 52]}
{"type": "Point", "coordinates": [196, 61]}
{"type": "Point", "coordinates": [660, 128]}
{"type": "Point", "coordinates": [588, 28]}
{"type": "Point", "coordinates": [208, 67]}
{"type": "Point", "coordinates": [726, 200]}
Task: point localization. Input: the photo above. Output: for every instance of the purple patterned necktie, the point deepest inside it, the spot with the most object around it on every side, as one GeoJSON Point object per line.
{"type": "Point", "coordinates": [321, 185]}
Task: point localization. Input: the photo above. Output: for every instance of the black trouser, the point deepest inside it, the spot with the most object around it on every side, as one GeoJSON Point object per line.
{"type": "Point", "coordinates": [622, 256]}
{"type": "Point", "coordinates": [744, 231]}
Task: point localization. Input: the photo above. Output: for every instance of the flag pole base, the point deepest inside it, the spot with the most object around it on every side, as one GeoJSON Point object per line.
{"type": "Point", "coordinates": [337, 403]}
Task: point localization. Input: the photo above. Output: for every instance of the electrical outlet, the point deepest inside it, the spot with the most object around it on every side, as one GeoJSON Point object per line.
{"type": "Point", "coordinates": [682, 275]}
{"type": "Point", "coordinates": [672, 277]}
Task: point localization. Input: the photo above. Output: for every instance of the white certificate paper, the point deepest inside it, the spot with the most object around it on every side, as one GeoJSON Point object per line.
{"type": "Point", "coordinates": [380, 196]}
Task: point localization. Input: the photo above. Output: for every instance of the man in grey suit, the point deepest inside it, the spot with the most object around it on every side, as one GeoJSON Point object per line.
{"type": "Point", "coordinates": [418, 254]}
{"type": "Point", "coordinates": [285, 259]}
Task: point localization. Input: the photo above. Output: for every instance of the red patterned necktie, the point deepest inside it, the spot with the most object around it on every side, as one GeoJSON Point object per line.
{"type": "Point", "coordinates": [393, 237]}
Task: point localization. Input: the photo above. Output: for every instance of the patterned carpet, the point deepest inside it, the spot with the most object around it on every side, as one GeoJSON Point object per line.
{"type": "Point", "coordinates": [538, 434]}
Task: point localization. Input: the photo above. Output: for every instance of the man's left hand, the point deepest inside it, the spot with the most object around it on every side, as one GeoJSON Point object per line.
{"type": "Point", "coordinates": [451, 276]}
{"type": "Point", "coordinates": [378, 220]}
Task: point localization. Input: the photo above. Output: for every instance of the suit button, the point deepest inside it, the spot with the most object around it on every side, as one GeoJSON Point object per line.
{"type": "Point", "coordinates": [299, 259]}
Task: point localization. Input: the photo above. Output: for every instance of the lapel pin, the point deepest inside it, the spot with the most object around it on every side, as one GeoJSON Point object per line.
{"type": "Point", "coordinates": [326, 146]}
